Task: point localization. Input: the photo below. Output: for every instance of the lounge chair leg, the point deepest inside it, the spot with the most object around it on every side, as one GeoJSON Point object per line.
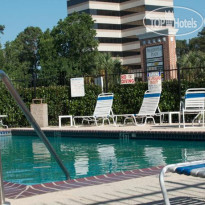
{"type": "Point", "coordinates": [96, 123]}
{"type": "Point", "coordinates": [145, 122]}
{"type": "Point", "coordinates": [153, 120]}
{"type": "Point", "coordinates": [184, 119]}
{"type": "Point", "coordinates": [162, 185]}
{"type": "Point", "coordinates": [114, 121]}
{"type": "Point", "coordinates": [135, 121]}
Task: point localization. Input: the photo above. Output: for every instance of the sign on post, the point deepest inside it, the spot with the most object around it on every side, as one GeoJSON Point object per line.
{"type": "Point", "coordinates": [99, 82]}
{"type": "Point", "coordinates": [128, 79]}
{"type": "Point", "coordinates": [154, 58]}
{"type": "Point", "coordinates": [77, 87]}
{"type": "Point", "coordinates": [154, 82]}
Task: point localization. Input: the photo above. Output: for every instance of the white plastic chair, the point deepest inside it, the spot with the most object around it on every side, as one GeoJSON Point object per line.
{"type": "Point", "coordinates": [194, 104]}
{"type": "Point", "coordinates": [148, 110]}
{"type": "Point", "coordinates": [103, 110]}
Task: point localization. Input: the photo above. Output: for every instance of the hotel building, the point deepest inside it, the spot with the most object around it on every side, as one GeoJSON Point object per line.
{"type": "Point", "coordinates": [120, 25]}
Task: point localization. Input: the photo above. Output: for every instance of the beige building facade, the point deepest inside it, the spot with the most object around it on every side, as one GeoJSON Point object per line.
{"type": "Point", "coordinates": [119, 23]}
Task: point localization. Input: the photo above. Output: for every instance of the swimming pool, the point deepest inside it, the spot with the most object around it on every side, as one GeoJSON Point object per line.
{"type": "Point", "coordinates": [25, 159]}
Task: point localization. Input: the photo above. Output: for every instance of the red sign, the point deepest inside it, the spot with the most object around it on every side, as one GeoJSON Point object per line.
{"type": "Point", "coordinates": [128, 79]}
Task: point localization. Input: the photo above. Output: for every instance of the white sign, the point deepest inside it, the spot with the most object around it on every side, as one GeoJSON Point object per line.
{"type": "Point", "coordinates": [77, 87]}
{"type": "Point", "coordinates": [128, 79]}
{"type": "Point", "coordinates": [154, 51]}
{"type": "Point", "coordinates": [154, 82]}
{"type": "Point", "coordinates": [154, 58]}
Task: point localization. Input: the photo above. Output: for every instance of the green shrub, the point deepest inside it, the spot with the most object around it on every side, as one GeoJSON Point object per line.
{"type": "Point", "coordinates": [127, 99]}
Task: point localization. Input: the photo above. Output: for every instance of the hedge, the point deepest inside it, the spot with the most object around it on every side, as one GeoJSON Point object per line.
{"type": "Point", "coordinates": [127, 99]}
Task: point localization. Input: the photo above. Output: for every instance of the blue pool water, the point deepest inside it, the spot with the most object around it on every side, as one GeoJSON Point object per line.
{"type": "Point", "coordinates": [26, 160]}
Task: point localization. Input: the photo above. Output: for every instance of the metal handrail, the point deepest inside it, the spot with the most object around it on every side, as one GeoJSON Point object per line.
{"type": "Point", "coordinates": [32, 121]}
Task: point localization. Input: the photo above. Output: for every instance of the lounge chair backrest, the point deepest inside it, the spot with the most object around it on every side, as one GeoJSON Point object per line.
{"type": "Point", "coordinates": [195, 99]}
{"type": "Point", "coordinates": [150, 103]}
{"type": "Point", "coordinates": [104, 105]}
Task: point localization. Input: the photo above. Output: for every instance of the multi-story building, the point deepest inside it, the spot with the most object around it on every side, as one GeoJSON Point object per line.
{"type": "Point", "coordinates": [119, 23]}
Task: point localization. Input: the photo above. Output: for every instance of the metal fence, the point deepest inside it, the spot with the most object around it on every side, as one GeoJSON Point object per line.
{"type": "Point", "coordinates": [109, 80]}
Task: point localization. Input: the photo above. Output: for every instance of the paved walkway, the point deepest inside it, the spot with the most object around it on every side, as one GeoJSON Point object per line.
{"type": "Point", "coordinates": [145, 190]}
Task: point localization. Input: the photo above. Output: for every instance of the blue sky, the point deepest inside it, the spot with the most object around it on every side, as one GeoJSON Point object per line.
{"type": "Point", "coordinates": [16, 15]}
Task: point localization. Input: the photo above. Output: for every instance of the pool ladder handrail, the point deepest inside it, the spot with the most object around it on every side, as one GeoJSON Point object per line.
{"type": "Point", "coordinates": [32, 121]}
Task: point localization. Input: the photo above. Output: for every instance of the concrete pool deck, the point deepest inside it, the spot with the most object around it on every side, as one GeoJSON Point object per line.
{"type": "Point", "coordinates": [148, 127]}
{"type": "Point", "coordinates": [144, 190]}
{"type": "Point", "coordinates": [149, 131]}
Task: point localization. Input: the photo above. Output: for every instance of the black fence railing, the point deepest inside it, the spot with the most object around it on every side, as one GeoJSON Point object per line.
{"type": "Point", "coordinates": [188, 74]}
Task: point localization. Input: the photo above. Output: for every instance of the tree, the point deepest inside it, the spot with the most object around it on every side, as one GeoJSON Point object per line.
{"type": "Point", "coordinates": [2, 27]}
{"type": "Point", "coordinates": [195, 60]}
{"type": "Point", "coordinates": [1, 58]}
{"type": "Point", "coordinates": [74, 39]}
{"type": "Point", "coordinates": [182, 47]}
{"type": "Point", "coordinates": [109, 66]}
{"type": "Point", "coordinates": [201, 37]}
{"type": "Point", "coordinates": [28, 41]}
{"type": "Point", "coordinates": [198, 43]}
{"type": "Point", "coordinates": [12, 65]}
{"type": "Point", "coordinates": [1, 32]}
{"type": "Point", "coordinates": [21, 57]}
{"type": "Point", "coordinates": [48, 58]}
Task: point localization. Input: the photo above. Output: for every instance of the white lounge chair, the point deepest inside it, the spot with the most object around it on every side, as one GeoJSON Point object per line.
{"type": "Point", "coordinates": [194, 104]}
{"type": "Point", "coordinates": [103, 110]}
{"type": "Point", "coordinates": [196, 169]}
{"type": "Point", "coordinates": [1, 121]}
{"type": "Point", "coordinates": [148, 110]}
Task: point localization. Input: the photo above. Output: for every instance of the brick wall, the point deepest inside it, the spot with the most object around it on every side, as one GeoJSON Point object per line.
{"type": "Point", "coordinates": [169, 51]}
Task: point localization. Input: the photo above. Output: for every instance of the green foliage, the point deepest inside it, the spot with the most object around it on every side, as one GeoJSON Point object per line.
{"type": "Point", "coordinates": [182, 47]}
{"type": "Point", "coordinates": [198, 43]}
{"type": "Point", "coordinates": [127, 99]}
{"type": "Point", "coordinates": [192, 59]}
{"type": "Point", "coordinates": [108, 67]}
{"type": "Point", "coordinates": [170, 99]}
{"type": "Point", "coordinates": [192, 54]}
{"type": "Point", "coordinates": [49, 61]}
{"type": "Point", "coordinates": [1, 57]}
{"type": "Point", "coordinates": [28, 42]}
{"type": "Point", "coordinates": [58, 99]}
{"type": "Point", "coordinates": [105, 63]}
{"type": "Point", "coordinates": [2, 27]}
{"type": "Point", "coordinates": [20, 55]}
{"type": "Point", "coordinates": [75, 43]}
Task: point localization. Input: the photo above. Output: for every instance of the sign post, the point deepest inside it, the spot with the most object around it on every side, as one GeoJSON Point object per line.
{"type": "Point", "coordinates": [154, 58]}
{"type": "Point", "coordinates": [99, 82]}
{"type": "Point", "coordinates": [154, 82]}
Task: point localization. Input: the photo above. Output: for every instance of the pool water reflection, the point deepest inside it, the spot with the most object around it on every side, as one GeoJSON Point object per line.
{"type": "Point", "coordinates": [26, 160]}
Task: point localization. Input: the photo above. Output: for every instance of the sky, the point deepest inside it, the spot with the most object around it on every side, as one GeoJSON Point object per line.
{"type": "Point", "coordinates": [16, 15]}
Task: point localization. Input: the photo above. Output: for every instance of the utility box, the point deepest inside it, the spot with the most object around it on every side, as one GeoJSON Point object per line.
{"type": "Point", "coordinates": [39, 110]}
